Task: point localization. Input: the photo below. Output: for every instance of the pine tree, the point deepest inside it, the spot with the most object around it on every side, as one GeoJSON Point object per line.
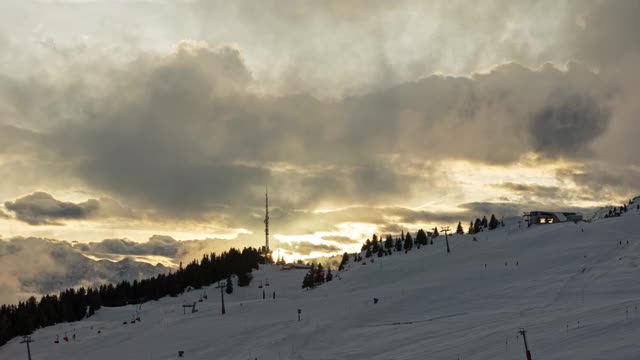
{"type": "Point", "coordinates": [368, 253]}
{"type": "Point", "coordinates": [344, 261]}
{"type": "Point", "coordinates": [308, 281]}
{"type": "Point", "coordinates": [375, 245]}
{"type": "Point", "coordinates": [329, 276]}
{"type": "Point", "coordinates": [398, 244]}
{"type": "Point", "coordinates": [366, 245]}
{"type": "Point", "coordinates": [493, 223]}
{"type": "Point", "coordinates": [408, 242]}
{"type": "Point", "coordinates": [460, 230]}
{"type": "Point", "coordinates": [388, 243]}
{"type": "Point", "coordinates": [421, 238]}
{"type": "Point", "coordinates": [477, 226]}
{"type": "Point", "coordinates": [244, 278]}
{"type": "Point", "coordinates": [229, 288]}
{"type": "Point", "coordinates": [318, 277]}
{"type": "Point", "coordinates": [471, 228]}
{"type": "Point", "coordinates": [484, 222]}
{"type": "Point", "coordinates": [435, 232]}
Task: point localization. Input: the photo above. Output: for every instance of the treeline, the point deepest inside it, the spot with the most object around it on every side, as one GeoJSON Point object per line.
{"type": "Point", "coordinates": [480, 225]}
{"type": "Point", "coordinates": [72, 305]}
{"type": "Point", "coordinates": [617, 211]}
{"type": "Point", "coordinates": [406, 242]}
{"type": "Point", "coordinates": [316, 276]}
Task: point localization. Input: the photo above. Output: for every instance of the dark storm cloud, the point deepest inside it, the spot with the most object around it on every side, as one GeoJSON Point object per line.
{"type": "Point", "coordinates": [499, 209]}
{"type": "Point", "coordinates": [41, 208]}
{"type": "Point", "coordinates": [192, 132]}
{"type": "Point", "coordinates": [611, 182]}
{"type": "Point", "coordinates": [542, 191]}
{"type": "Point", "coordinates": [568, 126]}
{"type": "Point", "coordinates": [182, 141]}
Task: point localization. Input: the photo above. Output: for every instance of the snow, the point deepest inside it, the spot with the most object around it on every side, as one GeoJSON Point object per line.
{"type": "Point", "coordinates": [573, 287]}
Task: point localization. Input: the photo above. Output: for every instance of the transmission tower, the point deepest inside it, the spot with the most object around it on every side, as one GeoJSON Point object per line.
{"type": "Point", "coordinates": [266, 219]}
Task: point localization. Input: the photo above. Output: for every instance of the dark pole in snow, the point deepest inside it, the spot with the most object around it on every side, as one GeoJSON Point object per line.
{"type": "Point", "coordinates": [446, 236]}
{"type": "Point", "coordinates": [523, 332]}
{"type": "Point", "coordinates": [27, 340]}
{"type": "Point", "coordinates": [222, 295]}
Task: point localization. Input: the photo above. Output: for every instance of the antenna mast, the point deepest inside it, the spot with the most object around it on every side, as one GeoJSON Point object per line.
{"type": "Point", "coordinates": [266, 219]}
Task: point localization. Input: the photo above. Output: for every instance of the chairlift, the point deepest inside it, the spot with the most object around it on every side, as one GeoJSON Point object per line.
{"type": "Point", "coordinates": [57, 340]}
{"type": "Point", "coordinates": [260, 286]}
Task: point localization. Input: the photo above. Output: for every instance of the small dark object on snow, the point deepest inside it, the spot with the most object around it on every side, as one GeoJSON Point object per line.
{"type": "Point", "coordinates": [375, 300]}
{"type": "Point", "coordinates": [474, 239]}
{"type": "Point", "coordinates": [180, 353]}
{"type": "Point", "coordinates": [517, 263]}
{"type": "Point", "coordinates": [485, 266]}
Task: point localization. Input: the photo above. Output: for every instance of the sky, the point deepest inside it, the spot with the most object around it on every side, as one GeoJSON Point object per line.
{"type": "Point", "coordinates": [134, 121]}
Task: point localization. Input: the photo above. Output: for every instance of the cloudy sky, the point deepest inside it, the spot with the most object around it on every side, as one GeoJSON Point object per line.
{"type": "Point", "coordinates": [124, 119]}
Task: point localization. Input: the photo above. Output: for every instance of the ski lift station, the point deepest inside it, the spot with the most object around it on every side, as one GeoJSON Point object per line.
{"type": "Point", "coordinates": [547, 217]}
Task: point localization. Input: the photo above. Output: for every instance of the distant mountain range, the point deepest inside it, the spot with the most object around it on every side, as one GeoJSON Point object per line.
{"type": "Point", "coordinates": [37, 266]}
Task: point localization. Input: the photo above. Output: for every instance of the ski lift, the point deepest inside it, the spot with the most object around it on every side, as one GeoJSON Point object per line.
{"type": "Point", "coordinates": [57, 340]}
{"type": "Point", "coordinates": [260, 286]}
{"type": "Point", "coordinates": [204, 295]}
{"type": "Point", "coordinates": [65, 338]}
{"type": "Point", "coordinates": [267, 282]}
{"type": "Point", "coordinates": [200, 300]}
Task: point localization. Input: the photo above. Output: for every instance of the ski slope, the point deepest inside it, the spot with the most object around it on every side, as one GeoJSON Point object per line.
{"type": "Point", "coordinates": [574, 287]}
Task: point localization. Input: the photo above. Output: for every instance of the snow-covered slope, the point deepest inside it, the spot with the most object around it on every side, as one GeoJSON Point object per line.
{"type": "Point", "coordinates": [633, 209]}
{"type": "Point", "coordinates": [574, 287]}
